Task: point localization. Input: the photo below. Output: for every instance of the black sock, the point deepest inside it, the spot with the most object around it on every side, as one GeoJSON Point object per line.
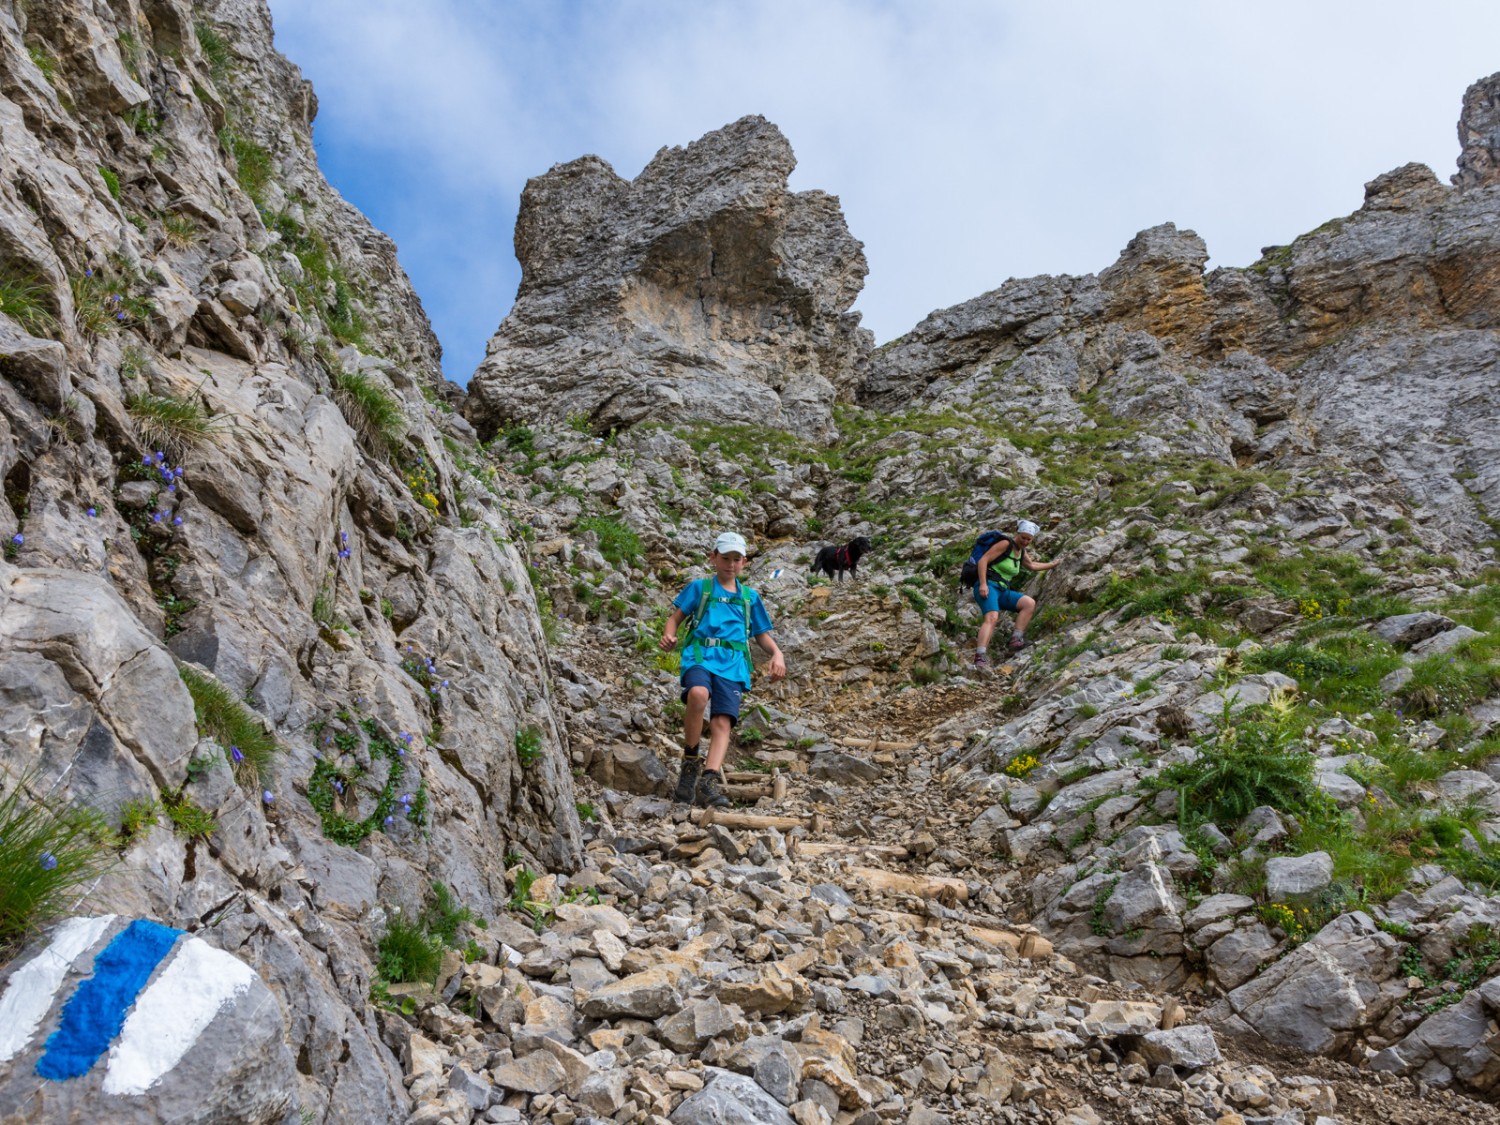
{"type": "Point", "coordinates": [692, 751]}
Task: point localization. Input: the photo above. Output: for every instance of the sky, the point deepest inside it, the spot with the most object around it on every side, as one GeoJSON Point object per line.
{"type": "Point", "coordinates": [969, 142]}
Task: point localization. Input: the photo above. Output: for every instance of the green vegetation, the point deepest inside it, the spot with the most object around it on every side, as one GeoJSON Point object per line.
{"type": "Point", "coordinates": [46, 63]}
{"type": "Point", "coordinates": [617, 543]}
{"type": "Point", "coordinates": [181, 231]}
{"type": "Point", "coordinates": [529, 746]}
{"type": "Point", "coordinates": [374, 413]}
{"type": "Point", "coordinates": [103, 300]}
{"type": "Point", "coordinates": [174, 423]}
{"type": "Point", "coordinates": [188, 819]}
{"type": "Point", "coordinates": [111, 181]}
{"type": "Point", "coordinates": [1248, 761]}
{"type": "Point", "coordinates": [338, 786]}
{"type": "Point", "coordinates": [252, 163]}
{"type": "Point", "coordinates": [248, 745]}
{"type": "Point", "coordinates": [49, 853]}
{"type": "Point", "coordinates": [216, 52]}
{"type": "Point", "coordinates": [413, 950]}
{"type": "Point", "coordinates": [28, 302]}
{"type": "Point", "coordinates": [319, 274]}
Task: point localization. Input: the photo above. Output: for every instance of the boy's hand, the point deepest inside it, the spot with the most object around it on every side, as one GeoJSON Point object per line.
{"type": "Point", "coordinates": [778, 667]}
{"type": "Point", "coordinates": [668, 639]}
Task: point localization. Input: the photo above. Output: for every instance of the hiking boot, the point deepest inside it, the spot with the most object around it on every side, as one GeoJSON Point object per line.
{"type": "Point", "coordinates": [1016, 644]}
{"type": "Point", "coordinates": [687, 780]}
{"type": "Point", "coordinates": [982, 663]}
{"type": "Point", "coordinates": [711, 790]}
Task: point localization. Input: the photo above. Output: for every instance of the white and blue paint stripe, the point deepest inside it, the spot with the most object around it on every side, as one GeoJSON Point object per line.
{"type": "Point", "coordinates": [28, 996]}
{"type": "Point", "coordinates": [95, 1013]}
{"type": "Point", "coordinates": [151, 995]}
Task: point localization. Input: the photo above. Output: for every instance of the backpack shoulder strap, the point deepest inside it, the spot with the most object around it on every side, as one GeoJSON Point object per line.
{"type": "Point", "coordinates": [694, 619]}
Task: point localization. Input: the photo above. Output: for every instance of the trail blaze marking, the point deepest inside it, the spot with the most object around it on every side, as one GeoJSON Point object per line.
{"type": "Point", "coordinates": [96, 1011]}
{"type": "Point", "coordinates": [169, 1017]}
{"type": "Point", "coordinates": [29, 994]}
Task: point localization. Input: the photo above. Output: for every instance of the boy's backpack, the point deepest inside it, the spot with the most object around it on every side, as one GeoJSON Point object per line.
{"type": "Point", "coordinates": [690, 634]}
{"type": "Point", "coordinates": [969, 574]}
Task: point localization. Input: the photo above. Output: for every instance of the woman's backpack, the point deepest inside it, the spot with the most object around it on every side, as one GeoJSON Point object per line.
{"type": "Point", "coordinates": [969, 574]}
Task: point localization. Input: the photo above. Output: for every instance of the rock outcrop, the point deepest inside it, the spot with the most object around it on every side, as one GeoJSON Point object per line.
{"type": "Point", "coordinates": [702, 289]}
{"type": "Point", "coordinates": [226, 492]}
{"type": "Point", "coordinates": [1370, 342]}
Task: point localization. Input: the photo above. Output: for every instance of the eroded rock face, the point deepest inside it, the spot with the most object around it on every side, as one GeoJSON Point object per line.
{"type": "Point", "coordinates": [702, 289]}
{"type": "Point", "coordinates": [306, 567]}
{"type": "Point", "coordinates": [1479, 134]}
{"type": "Point", "coordinates": [1369, 340]}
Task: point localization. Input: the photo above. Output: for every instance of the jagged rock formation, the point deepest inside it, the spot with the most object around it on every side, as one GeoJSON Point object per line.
{"type": "Point", "coordinates": [1370, 342]}
{"type": "Point", "coordinates": [702, 289]}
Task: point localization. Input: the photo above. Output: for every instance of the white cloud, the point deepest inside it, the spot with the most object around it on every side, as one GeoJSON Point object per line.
{"type": "Point", "coordinates": [968, 141]}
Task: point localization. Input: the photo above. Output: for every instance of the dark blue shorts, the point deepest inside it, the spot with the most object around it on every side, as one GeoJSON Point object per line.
{"type": "Point", "coordinates": [1000, 598]}
{"type": "Point", "coordinates": [723, 695]}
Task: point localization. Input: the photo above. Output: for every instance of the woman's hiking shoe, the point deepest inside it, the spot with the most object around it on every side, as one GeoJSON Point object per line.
{"type": "Point", "coordinates": [687, 780]}
{"type": "Point", "coordinates": [981, 662]}
{"type": "Point", "coordinates": [711, 790]}
{"type": "Point", "coordinates": [1016, 644]}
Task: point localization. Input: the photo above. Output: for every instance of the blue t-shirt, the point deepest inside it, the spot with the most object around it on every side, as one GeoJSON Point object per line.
{"type": "Point", "coordinates": [724, 619]}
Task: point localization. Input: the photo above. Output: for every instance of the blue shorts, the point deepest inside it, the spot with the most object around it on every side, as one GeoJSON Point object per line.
{"type": "Point", "coordinates": [1000, 598]}
{"type": "Point", "coordinates": [723, 694]}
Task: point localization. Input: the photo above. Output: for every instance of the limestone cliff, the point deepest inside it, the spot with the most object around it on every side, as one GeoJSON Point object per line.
{"type": "Point", "coordinates": [279, 622]}
{"type": "Point", "coordinates": [226, 458]}
{"type": "Point", "coordinates": [702, 289]}
{"type": "Point", "coordinates": [1370, 342]}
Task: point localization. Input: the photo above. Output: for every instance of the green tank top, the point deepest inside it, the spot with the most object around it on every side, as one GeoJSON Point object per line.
{"type": "Point", "coordinates": [1005, 569]}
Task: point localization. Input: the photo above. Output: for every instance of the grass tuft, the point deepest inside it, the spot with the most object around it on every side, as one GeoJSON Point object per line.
{"type": "Point", "coordinates": [27, 301]}
{"type": "Point", "coordinates": [617, 543]}
{"type": "Point", "coordinates": [48, 854]}
{"type": "Point", "coordinates": [249, 746]}
{"type": "Point", "coordinates": [174, 423]}
{"type": "Point", "coordinates": [374, 413]}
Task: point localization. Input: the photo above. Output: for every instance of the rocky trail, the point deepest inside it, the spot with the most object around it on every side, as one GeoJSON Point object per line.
{"type": "Point", "coordinates": [845, 953]}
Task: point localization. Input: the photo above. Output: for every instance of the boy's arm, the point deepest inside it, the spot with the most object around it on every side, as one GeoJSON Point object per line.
{"type": "Point", "coordinates": [768, 645]}
{"type": "Point", "coordinates": [669, 631]}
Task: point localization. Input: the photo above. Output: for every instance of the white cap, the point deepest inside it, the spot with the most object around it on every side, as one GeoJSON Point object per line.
{"type": "Point", "coordinates": [731, 541]}
{"type": "Point", "coordinates": [1026, 527]}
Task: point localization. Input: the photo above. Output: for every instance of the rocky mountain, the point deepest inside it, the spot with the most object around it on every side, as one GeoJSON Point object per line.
{"type": "Point", "coordinates": [336, 739]}
{"type": "Point", "coordinates": [701, 290]}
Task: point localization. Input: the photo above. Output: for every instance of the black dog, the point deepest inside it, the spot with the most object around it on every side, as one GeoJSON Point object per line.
{"type": "Point", "coordinates": [833, 561]}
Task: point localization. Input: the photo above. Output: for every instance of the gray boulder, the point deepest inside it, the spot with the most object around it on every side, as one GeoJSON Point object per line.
{"type": "Point", "coordinates": [1452, 1045]}
{"type": "Point", "coordinates": [730, 1099]}
{"type": "Point", "coordinates": [1291, 876]}
{"type": "Point", "coordinates": [1318, 997]}
{"type": "Point", "coordinates": [1406, 629]}
{"type": "Point", "coordinates": [1191, 1047]}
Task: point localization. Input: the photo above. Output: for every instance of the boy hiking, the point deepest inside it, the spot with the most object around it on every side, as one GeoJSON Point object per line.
{"type": "Point", "coordinates": [997, 558]}
{"type": "Point", "coordinates": [722, 617]}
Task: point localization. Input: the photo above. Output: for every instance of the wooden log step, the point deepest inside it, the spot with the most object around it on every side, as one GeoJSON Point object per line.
{"type": "Point", "coordinates": [705, 817]}
{"type": "Point", "coordinates": [875, 744]}
{"type": "Point", "coordinates": [813, 849]}
{"type": "Point", "coordinates": [1033, 947]}
{"type": "Point", "coordinates": [945, 889]}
